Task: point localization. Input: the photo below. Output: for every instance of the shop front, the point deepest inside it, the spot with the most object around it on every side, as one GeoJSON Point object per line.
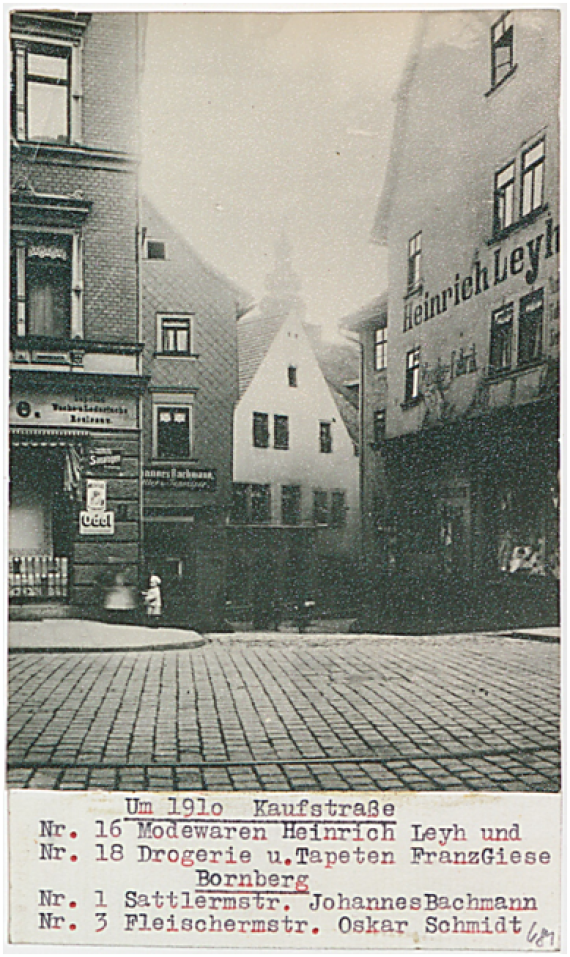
{"type": "Point", "coordinates": [74, 492]}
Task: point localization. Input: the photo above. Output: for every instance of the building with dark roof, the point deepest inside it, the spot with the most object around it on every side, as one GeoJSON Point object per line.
{"type": "Point", "coordinates": [190, 358]}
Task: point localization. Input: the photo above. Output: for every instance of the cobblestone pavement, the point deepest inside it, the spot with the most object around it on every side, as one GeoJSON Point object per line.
{"type": "Point", "coordinates": [461, 713]}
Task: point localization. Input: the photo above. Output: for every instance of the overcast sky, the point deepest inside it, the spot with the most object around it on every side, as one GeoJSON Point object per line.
{"type": "Point", "coordinates": [257, 121]}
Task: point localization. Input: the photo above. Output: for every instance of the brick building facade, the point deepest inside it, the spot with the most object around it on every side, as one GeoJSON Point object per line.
{"type": "Point", "coordinates": [75, 367]}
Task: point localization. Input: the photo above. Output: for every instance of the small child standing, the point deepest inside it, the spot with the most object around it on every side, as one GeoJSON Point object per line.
{"type": "Point", "coordinates": [153, 600]}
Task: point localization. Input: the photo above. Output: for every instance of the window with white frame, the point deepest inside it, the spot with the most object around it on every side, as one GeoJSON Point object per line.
{"type": "Point", "coordinates": [501, 349]}
{"type": "Point", "coordinates": [502, 49]}
{"type": "Point", "coordinates": [172, 428]}
{"type": "Point", "coordinates": [504, 200]}
{"type": "Point", "coordinates": [532, 178]}
{"type": "Point", "coordinates": [380, 349]}
{"type": "Point", "coordinates": [174, 334]}
{"type": "Point", "coordinates": [531, 317]}
{"type": "Point", "coordinates": [412, 375]}
{"type": "Point", "coordinates": [415, 262]}
{"type": "Point", "coordinates": [46, 80]}
{"type": "Point", "coordinates": [46, 286]}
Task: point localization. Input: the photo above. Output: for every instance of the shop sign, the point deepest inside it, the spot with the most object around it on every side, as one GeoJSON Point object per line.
{"type": "Point", "coordinates": [73, 411]}
{"type": "Point", "coordinates": [96, 523]}
{"type": "Point", "coordinates": [96, 495]}
{"type": "Point", "coordinates": [193, 480]}
{"type": "Point", "coordinates": [104, 459]}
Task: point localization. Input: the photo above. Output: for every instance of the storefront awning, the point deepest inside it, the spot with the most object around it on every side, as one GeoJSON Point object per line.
{"type": "Point", "coordinates": [46, 438]}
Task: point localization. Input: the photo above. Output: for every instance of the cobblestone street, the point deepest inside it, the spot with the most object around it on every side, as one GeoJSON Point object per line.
{"type": "Point", "coordinates": [283, 712]}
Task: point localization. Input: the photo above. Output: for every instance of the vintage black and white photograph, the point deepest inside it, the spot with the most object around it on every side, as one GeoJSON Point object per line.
{"type": "Point", "coordinates": [284, 389]}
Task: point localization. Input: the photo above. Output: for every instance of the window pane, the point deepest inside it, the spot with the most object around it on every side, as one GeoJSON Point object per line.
{"type": "Point", "coordinates": [338, 510]}
{"type": "Point", "coordinates": [530, 328]}
{"type": "Point", "coordinates": [290, 505]}
{"type": "Point", "coordinates": [173, 433]}
{"type": "Point", "coordinates": [48, 288]}
{"type": "Point", "coordinates": [47, 112]}
{"type": "Point", "coordinates": [281, 432]}
{"type": "Point", "coordinates": [260, 430]}
{"type": "Point", "coordinates": [320, 508]}
{"type": "Point", "coordinates": [260, 504]}
{"type": "Point", "coordinates": [534, 154]}
{"type": "Point", "coordinates": [53, 67]}
{"type": "Point", "coordinates": [325, 437]}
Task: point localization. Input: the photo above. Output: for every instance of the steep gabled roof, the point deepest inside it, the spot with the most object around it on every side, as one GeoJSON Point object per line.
{"type": "Point", "coordinates": [255, 335]}
{"type": "Point", "coordinates": [157, 226]}
{"type": "Point", "coordinates": [380, 229]}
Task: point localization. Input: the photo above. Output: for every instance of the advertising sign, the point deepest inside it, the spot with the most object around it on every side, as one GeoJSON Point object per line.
{"type": "Point", "coordinates": [96, 495]}
{"type": "Point", "coordinates": [73, 411]}
{"type": "Point", "coordinates": [96, 523]}
{"type": "Point", "coordinates": [104, 459]}
{"type": "Point", "coordinates": [194, 480]}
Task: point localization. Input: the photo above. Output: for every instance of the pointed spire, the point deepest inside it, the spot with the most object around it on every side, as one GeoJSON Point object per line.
{"type": "Point", "coordinates": [283, 284]}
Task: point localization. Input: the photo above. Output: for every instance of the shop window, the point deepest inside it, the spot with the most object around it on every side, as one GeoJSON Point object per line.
{"type": "Point", "coordinates": [281, 432]}
{"type": "Point", "coordinates": [261, 430]}
{"type": "Point", "coordinates": [175, 335]}
{"type": "Point", "coordinates": [43, 106]}
{"type": "Point", "coordinates": [338, 509]}
{"type": "Point", "coordinates": [380, 349]}
{"type": "Point", "coordinates": [325, 437]}
{"type": "Point", "coordinates": [415, 262]}
{"type": "Point", "coordinates": [412, 375]}
{"type": "Point", "coordinates": [531, 313]}
{"type": "Point", "coordinates": [172, 432]}
{"type": "Point", "coordinates": [532, 178]}
{"type": "Point", "coordinates": [155, 249]}
{"type": "Point", "coordinates": [500, 352]}
{"type": "Point", "coordinates": [260, 504]}
{"type": "Point", "coordinates": [320, 508]}
{"type": "Point", "coordinates": [502, 49]}
{"type": "Point", "coordinates": [379, 426]}
{"type": "Point", "coordinates": [291, 504]}
{"type": "Point", "coordinates": [504, 203]}
{"type": "Point", "coordinates": [292, 376]}
{"type": "Point", "coordinates": [41, 281]}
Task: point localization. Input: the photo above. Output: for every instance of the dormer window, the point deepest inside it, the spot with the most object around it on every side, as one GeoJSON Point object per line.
{"type": "Point", "coordinates": [502, 49]}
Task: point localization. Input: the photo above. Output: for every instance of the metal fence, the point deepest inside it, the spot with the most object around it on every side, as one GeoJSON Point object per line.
{"type": "Point", "coordinates": [38, 577]}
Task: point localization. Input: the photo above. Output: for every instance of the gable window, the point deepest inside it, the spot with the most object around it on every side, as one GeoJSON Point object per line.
{"type": "Point", "coordinates": [320, 507]}
{"type": "Point", "coordinates": [502, 49]}
{"type": "Point", "coordinates": [281, 431]}
{"type": "Point", "coordinates": [291, 504]}
{"type": "Point", "coordinates": [531, 312]}
{"type": "Point", "coordinates": [412, 375]}
{"type": "Point", "coordinates": [500, 352]}
{"type": "Point", "coordinates": [261, 430]}
{"type": "Point", "coordinates": [414, 262]}
{"type": "Point", "coordinates": [292, 376]}
{"type": "Point", "coordinates": [172, 429]}
{"type": "Point", "coordinates": [380, 349]}
{"type": "Point", "coordinates": [260, 504]}
{"type": "Point", "coordinates": [532, 178]}
{"type": "Point", "coordinates": [338, 509]}
{"type": "Point", "coordinates": [41, 284]}
{"type": "Point", "coordinates": [155, 249]}
{"type": "Point", "coordinates": [325, 437]}
{"type": "Point", "coordinates": [174, 335]}
{"type": "Point", "coordinates": [41, 91]}
{"type": "Point", "coordinates": [379, 426]}
{"type": "Point", "coordinates": [504, 203]}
